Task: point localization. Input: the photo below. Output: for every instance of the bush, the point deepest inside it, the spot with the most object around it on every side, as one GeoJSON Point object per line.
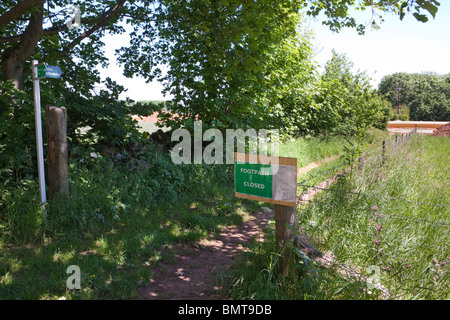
{"type": "Point", "coordinates": [98, 123]}
{"type": "Point", "coordinates": [17, 135]}
{"type": "Point", "coordinates": [104, 191]}
{"type": "Point", "coordinates": [340, 102]}
{"type": "Point", "coordinates": [399, 114]}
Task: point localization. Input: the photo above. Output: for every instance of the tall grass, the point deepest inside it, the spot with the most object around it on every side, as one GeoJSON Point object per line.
{"type": "Point", "coordinates": [392, 219]}
{"type": "Point", "coordinates": [123, 216]}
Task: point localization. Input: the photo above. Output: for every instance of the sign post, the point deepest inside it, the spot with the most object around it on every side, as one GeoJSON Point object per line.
{"type": "Point", "coordinates": [41, 71]}
{"type": "Point", "coordinates": [272, 183]}
{"type": "Point", "coordinates": [38, 120]}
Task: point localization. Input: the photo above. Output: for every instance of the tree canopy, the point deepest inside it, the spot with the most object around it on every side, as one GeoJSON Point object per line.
{"type": "Point", "coordinates": [40, 29]}
{"type": "Point", "coordinates": [427, 95]}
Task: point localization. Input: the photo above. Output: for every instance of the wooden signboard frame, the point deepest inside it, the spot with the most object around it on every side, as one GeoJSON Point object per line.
{"type": "Point", "coordinates": [282, 161]}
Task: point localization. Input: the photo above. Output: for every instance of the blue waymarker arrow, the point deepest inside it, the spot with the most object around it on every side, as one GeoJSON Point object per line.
{"type": "Point", "coordinates": [53, 72]}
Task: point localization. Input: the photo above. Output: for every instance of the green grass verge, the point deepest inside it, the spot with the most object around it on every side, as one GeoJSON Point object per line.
{"type": "Point", "coordinates": [388, 224]}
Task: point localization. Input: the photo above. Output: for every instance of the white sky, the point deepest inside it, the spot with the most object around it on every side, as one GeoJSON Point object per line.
{"type": "Point", "coordinates": [399, 46]}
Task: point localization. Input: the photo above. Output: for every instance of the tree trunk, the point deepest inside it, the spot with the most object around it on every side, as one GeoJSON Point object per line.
{"type": "Point", "coordinates": [14, 58]}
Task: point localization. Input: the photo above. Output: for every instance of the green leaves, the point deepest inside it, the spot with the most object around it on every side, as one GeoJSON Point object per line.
{"type": "Point", "coordinates": [429, 5]}
{"type": "Point", "coordinates": [337, 12]}
{"type": "Point", "coordinates": [341, 101]}
{"type": "Point", "coordinates": [229, 63]}
{"type": "Point", "coordinates": [427, 95]}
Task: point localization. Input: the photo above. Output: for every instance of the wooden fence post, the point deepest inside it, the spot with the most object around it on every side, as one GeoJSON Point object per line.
{"type": "Point", "coordinates": [362, 160]}
{"type": "Point", "coordinates": [383, 153]}
{"type": "Point", "coordinates": [284, 220]}
{"type": "Point", "coordinates": [56, 120]}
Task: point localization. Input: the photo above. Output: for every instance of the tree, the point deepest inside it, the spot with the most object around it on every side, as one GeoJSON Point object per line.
{"type": "Point", "coordinates": [342, 101]}
{"type": "Point", "coordinates": [427, 95]}
{"type": "Point", "coordinates": [244, 61]}
{"type": "Point", "coordinates": [222, 55]}
{"type": "Point", "coordinates": [28, 25]}
{"type": "Point", "coordinates": [39, 29]}
{"type": "Point", "coordinates": [230, 61]}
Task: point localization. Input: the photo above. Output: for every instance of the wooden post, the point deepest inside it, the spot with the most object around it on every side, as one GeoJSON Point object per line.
{"type": "Point", "coordinates": [56, 119]}
{"type": "Point", "coordinates": [362, 160]}
{"type": "Point", "coordinates": [383, 154]}
{"type": "Point", "coordinates": [284, 220]}
{"type": "Point", "coordinates": [396, 140]}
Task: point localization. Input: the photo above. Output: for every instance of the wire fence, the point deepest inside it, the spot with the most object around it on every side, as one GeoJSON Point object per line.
{"type": "Point", "coordinates": [375, 158]}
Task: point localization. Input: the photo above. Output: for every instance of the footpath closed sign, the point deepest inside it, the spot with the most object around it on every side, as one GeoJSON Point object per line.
{"type": "Point", "coordinates": [273, 183]}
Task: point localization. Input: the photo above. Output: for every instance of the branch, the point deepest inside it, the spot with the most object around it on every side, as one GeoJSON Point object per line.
{"type": "Point", "coordinates": [17, 11]}
{"type": "Point", "coordinates": [10, 39]}
{"type": "Point", "coordinates": [103, 20]}
{"type": "Point", "coordinates": [49, 31]}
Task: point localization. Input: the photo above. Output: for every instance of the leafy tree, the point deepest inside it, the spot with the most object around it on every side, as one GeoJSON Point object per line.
{"type": "Point", "coordinates": [343, 101]}
{"type": "Point", "coordinates": [40, 30]}
{"type": "Point", "coordinates": [426, 95]}
{"type": "Point", "coordinates": [230, 62]}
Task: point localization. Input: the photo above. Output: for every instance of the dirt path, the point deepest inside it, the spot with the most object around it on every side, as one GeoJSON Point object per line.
{"type": "Point", "coordinates": [313, 165]}
{"type": "Point", "coordinates": [194, 274]}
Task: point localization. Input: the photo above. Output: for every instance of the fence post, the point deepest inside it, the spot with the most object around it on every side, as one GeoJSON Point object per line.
{"type": "Point", "coordinates": [362, 160]}
{"type": "Point", "coordinates": [56, 120]}
{"type": "Point", "coordinates": [383, 153]}
{"type": "Point", "coordinates": [284, 220]}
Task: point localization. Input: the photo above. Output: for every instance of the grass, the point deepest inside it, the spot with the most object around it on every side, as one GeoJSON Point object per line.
{"type": "Point", "coordinates": [121, 219]}
{"type": "Point", "coordinates": [393, 220]}
{"type": "Point", "coordinates": [126, 216]}
{"type": "Point", "coordinates": [115, 255]}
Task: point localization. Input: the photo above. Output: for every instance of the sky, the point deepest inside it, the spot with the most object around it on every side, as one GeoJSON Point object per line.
{"type": "Point", "coordinates": [398, 46]}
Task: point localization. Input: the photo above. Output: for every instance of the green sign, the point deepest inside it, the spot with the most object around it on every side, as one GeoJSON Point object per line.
{"type": "Point", "coordinates": [274, 183]}
{"type": "Point", "coordinates": [41, 71]}
{"type": "Point", "coordinates": [253, 179]}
